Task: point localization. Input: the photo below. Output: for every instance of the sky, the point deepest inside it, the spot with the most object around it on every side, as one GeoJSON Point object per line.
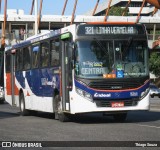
{"type": "Point", "coordinates": [52, 7]}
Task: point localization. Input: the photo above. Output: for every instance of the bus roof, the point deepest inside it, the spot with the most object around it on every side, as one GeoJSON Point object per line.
{"type": "Point", "coordinates": [39, 37]}
{"type": "Point", "coordinates": [114, 23]}
{"type": "Point", "coordinates": [49, 34]}
{"type": "Point", "coordinates": [34, 39]}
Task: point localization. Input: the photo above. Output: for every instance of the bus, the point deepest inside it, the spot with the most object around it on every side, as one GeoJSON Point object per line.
{"type": "Point", "coordinates": [85, 68]}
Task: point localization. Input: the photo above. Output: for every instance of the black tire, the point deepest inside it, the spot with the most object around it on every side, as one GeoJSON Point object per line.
{"type": "Point", "coordinates": [63, 117]}
{"type": "Point", "coordinates": [120, 117]}
{"type": "Point", "coordinates": [59, 114]}
{"type": "Point", "coordinates": [2, 101]}
{"type": "Point", "coordinates": [23, 110]}
{"type": "Point", "coordinates": [55, 106]}
{"type": "Point", "coordinates": [152, 96]}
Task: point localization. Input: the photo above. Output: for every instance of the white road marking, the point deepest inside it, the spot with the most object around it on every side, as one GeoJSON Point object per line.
{"type": "Point", "coordinates": [149, 126]}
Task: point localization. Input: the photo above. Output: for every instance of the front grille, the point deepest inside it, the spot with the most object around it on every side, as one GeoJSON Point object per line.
{"type": "Point", "coordinates": [116, 84]}
{"type": "Point", "coordinates": [108, 103]}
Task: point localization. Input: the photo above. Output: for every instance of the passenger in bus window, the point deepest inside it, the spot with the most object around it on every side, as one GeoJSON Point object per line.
{"type": "Point", "coordinates": [21, 33]}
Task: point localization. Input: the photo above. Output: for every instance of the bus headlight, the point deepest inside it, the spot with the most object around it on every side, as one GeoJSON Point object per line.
{"type": "Point", "coordinates": [144, 93]}
{"type": "Point", "coordinates": [84, 94]}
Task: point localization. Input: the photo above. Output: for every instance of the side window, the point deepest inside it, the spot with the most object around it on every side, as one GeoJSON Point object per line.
{"type": "Point", "coordinates": [55, 46]}
{"type": "Point", "coordinates": [27, 58]}
{"type": "Point", "coordinates": [19, 59]}
{"type": "Point", "coordinates": [8, 62]}
{"type": "Point", "coordinates": [35, 56]}
{"type": "Point", "coordinates": [44, 54]}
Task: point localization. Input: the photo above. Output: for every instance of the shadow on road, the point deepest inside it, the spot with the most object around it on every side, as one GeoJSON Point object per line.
{"type": "Point", "coordinates": [90, 118]}
{"type": "Point", "coordinates": [4, 114]}
{"type": "Point", "coordinates": [98, 118]}
{"type": "Point", "coordinates": [44, 115]}
{"type": "Point", "coordinates": [133, 117]}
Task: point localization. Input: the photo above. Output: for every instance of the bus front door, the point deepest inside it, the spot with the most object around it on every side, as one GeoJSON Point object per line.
{"type": "Point", "coordinates": [66, 71]}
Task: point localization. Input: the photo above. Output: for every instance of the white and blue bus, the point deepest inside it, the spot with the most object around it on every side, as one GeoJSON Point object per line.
{"type": "Point", "coordinates": [91, 67]}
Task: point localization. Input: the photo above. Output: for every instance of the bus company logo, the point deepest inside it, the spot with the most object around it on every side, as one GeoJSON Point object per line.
{"type": "Point", "coordinates": [92, 64]}
{"type": "Point", "coordinates": [102, 95]}
{"type": "Point", "coordinates": [6, 144]}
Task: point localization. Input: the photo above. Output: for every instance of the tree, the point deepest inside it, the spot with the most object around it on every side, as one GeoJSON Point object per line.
{"type": "Point", "coordinates": [154, 63]}
{"type": "Point", "coordinates": [117, 11]}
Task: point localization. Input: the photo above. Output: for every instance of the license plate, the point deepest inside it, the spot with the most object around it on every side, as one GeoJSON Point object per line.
{"type": "Point", "coordinates": [117, 104]}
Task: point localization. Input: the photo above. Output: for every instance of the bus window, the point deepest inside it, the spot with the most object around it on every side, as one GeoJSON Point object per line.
{"type": "Point", "coordinates": [8, 62]}
{"type": "Point", "coordinates": [27, 58]}
{"type": "Point", "coordinates": [44, 54]}
{"type": "Point", "coordinates": [19, 59]}
{"type": "Point", "coordinates": [55, 53]}
{"type": "Point", "coordinates": [35, 56]}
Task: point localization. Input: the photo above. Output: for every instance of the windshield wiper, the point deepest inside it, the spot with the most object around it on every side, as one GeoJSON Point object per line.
{"type": "Point", "coordinates": [129, 42]}
{"type": "Point", "coordinates": [101, 46]}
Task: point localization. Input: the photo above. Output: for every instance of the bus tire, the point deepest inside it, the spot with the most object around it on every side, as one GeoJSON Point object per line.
{"type": "Point", "coordinates": [23, 110]}
{"type": "Point", "coordinates": [55, 106]}
{"type": "Point", "coordinates": [120, 117]}
{"type": "Point", "coordinates": [59, 114]}
{"type": "Point", "coordinates": [2, 101]}
{"type": "Point", "coordinates": [63, 117]}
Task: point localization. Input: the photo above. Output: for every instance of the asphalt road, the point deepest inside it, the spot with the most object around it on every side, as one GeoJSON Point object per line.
{"type": "Point", "coordinates": [139, 126]}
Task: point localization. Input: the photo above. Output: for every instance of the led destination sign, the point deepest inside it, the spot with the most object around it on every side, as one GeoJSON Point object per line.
{"type": "Point", "coordinates": [109, 29]}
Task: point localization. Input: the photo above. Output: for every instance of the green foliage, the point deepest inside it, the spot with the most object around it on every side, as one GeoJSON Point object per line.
{"type": "Point", "coordinates": [117, 11]}
{"type": "Point", "coordinates": [154, 63]}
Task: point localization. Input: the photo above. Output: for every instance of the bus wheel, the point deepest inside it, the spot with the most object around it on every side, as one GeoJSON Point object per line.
{"type": "Point", "coordinates": [2, 101]}
{"type": "Point", "coordinates": [120, 117]}
{"type": "Point", "coordinates": [59, 114]}
{"type": "Point", "coordinates": [23, 110]}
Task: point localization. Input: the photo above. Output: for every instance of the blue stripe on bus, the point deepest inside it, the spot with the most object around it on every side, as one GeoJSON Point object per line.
{"type": "Point", "coordinates": [42, 82]}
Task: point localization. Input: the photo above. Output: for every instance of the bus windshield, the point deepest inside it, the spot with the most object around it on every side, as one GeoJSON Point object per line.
{"type": "Point", "coordinates": [101, 58]}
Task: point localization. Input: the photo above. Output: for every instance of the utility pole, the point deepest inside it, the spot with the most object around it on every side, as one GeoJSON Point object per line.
{"type": "Point", "coordinates": [4, 26]}
{"type": "Point", "coordinates": [0, 4]}
{"type": "Point", "coordinates": [95, 8]}
{"type": "Point", "coordinates": [64, 8]}
{"type": "Point", "coordinates": [36, 17]}
{"type": "Point", "coordinates": [126, 8]}
{"type": "Point", "coordinates": [74, 9]}
{"type": "Point", "coordinates": [137, 20]}
{"type": "Point", "coordinates": [39, 14]}
{"type": "Point", "coordinates": [32, 7]}
{"type": "Point", "coordinates": [107, 11]}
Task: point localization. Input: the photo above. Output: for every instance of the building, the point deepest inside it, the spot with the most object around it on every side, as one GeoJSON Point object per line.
{"type": "Point", "coordinates": [134, 7]}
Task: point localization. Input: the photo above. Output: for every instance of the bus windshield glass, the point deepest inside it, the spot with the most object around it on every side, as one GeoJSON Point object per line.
{"type": "Point", "coordinates": [111, 58]}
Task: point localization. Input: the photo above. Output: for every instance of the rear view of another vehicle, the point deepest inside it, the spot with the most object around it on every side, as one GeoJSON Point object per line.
{"type": "Point", "coordinates": [1, 95]}
{"type": "Point", "coordinates": [154, 91]}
